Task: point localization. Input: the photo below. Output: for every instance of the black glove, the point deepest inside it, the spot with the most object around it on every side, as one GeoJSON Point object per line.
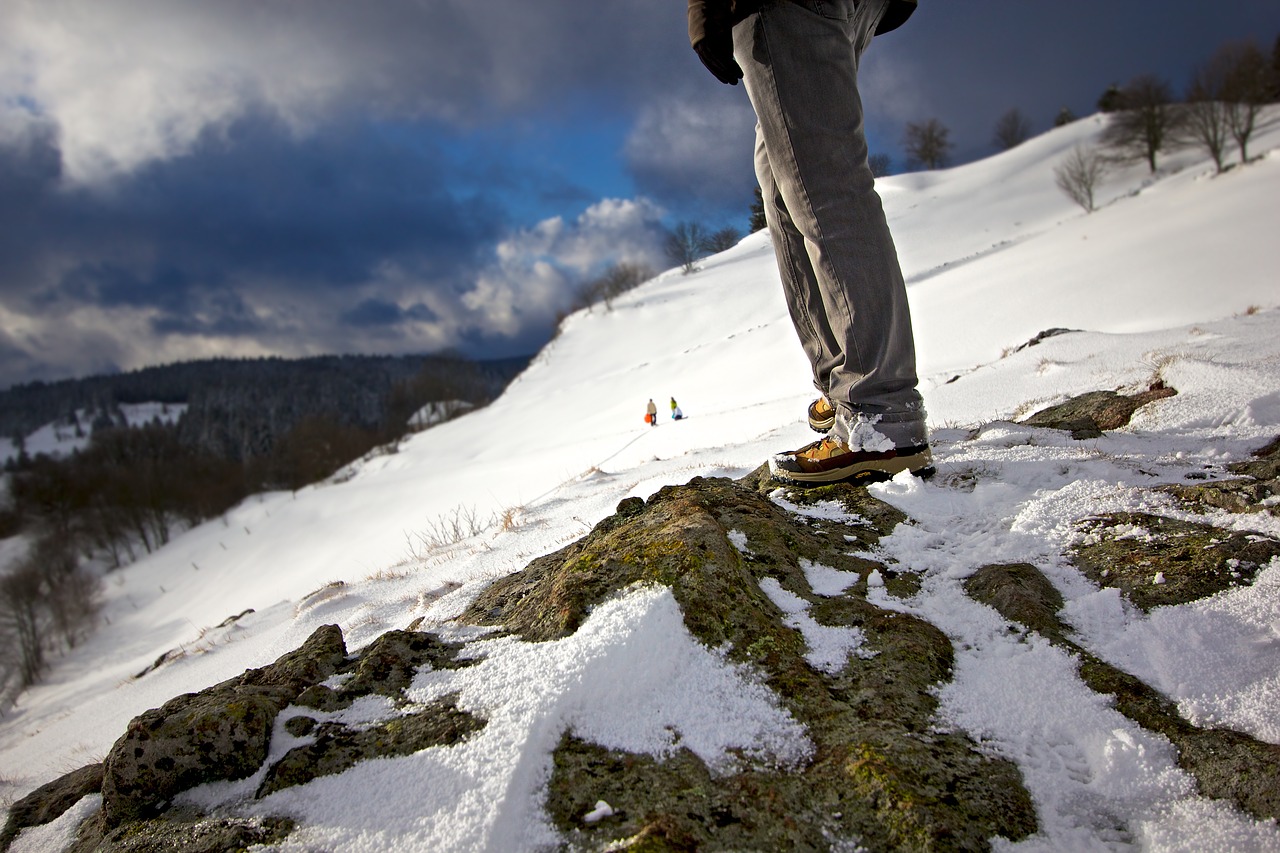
{"type": "Point", "coordinates": [716, 52]}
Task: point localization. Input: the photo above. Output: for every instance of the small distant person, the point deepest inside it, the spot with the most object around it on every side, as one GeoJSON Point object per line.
{"type": "Point", "coordinates": [844, 289]}
{"type": "Point", "coordinates": [676, 414]}
{"type": "Point", "coordinates": [673, 406]}
{"type": "Point", "coordinates": [651, 413]}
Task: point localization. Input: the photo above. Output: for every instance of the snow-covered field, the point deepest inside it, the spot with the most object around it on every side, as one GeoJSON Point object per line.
{"type": "Point", "coordinates": [1176, 277]}
{"type": "Point", "coordinates": [66, 436]}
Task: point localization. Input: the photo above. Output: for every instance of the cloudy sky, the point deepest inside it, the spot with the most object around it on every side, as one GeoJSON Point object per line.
{"type": "Point", "coordinates": [246, 177]}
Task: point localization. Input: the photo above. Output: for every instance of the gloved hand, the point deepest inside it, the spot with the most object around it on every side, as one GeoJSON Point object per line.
{"type": "Point", "coordinates": [716, 52]}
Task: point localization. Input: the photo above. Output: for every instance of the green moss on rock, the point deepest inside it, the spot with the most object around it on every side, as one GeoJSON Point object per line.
{"type": "Point", "coordinates": [924, 790]}
{"type": "Point", "coordinates": [1226, 764]}
{"type": "Point", "coordinates": [1158, 561]}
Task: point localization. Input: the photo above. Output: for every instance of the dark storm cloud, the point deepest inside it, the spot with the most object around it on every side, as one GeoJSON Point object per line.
{"type": "Point", "coordinates": [238, 177]}
{"type": "Point", "coordinates": [379, 312]}
{"type": "Point", "coordinates": [249, 207]}
{"type": "Point", "coordinates": [124, 94]}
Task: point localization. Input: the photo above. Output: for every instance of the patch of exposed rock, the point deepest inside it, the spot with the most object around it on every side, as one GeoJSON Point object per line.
{"type": "Point", "coordinates": [1226, 764]}
{"type": "Point", "coordinates": [224, 733]}
{"type": "Point", "coordinates": [1090, 415]}
{"type": "Point", "coordinates": [881, 773]}
{"type": "Point", "coordinates": [1156, 561]}
{"type": "Point", "coordinates": [1257, 489]}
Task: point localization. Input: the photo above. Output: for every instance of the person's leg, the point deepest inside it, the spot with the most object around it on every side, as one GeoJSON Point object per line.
{"type": "Point", "coordinates": [835, 254]}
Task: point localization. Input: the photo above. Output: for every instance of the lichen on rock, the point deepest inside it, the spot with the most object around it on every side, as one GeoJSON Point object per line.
{"type": "Point", "coordinates": [1155, 560]}
{"type": "Point", "coordinates": [880, 772]}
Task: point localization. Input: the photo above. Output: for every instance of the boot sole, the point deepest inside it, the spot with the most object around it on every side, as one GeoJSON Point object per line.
{"type": "Point", "coordinates": [919, 464]}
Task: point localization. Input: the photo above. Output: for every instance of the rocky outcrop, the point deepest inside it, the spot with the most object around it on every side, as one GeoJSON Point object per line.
{"type": "Point", "coordinates": [48, 802]}
{"type": "Point", "coordinates": [1257, 489]}
{"type": "Point", "coordinates": [881, 772]}
{"type": "Point", "coordinates": [218, 733]}
{"type": "Point", "coordinates": [223, 733]}
{"type": "Point", "coordinates": [1156, 561]}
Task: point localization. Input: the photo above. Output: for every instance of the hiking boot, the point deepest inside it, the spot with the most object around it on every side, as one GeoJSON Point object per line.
{"type": "Point", "coordinates": [822, 415]}
{"type": "Point", "coordinates": [830, 460]}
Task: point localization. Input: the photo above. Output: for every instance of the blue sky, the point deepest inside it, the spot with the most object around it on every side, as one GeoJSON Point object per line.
{"type": "Point", "coordinates": [239, 177]}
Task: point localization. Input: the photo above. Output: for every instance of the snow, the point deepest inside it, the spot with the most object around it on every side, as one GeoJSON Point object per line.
{"type": "Point", "coordinates": [67, 435]}
{"type": "Point", "coordinates": [1172, 279]}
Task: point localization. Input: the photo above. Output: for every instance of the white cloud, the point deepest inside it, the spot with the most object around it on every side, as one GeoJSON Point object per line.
{"type": "Point", "coordinates": [129, 81]}
{"type": "Point", "coordinates": [695, 148]}
{"type": "Point", "coordinates": [538, 269]}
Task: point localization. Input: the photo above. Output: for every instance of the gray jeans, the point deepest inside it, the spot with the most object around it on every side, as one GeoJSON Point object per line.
{"type": "Point", "coordinates": [838, 263]}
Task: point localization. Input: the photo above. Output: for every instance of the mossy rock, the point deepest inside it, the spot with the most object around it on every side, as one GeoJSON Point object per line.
{"type": "Point", "coordinates": [50, 801]}
{"type": "Point", "coordinates": [1091, 414]}
{"type": "Point", "coordinates": [1265, 464]}
{"type": "Point", "coordinates": [1255, 491]}
{"type": "Point", "coordinates": [1226, 764]}
{"type": "Point", "coordinates": [879, 774]}
{"type": "Point", "coordinates": [387, 665]}
{"type": "Point", "coordinates": [186, 830]}
{"type": "Point", "coordinates": [220, 733]}
{"type": "Point", "coordinates": [1020, 593]}
{"type": "Point", "coordinates": [338, 747]}
{"type": "Point", "coordinates": [1158, 561]}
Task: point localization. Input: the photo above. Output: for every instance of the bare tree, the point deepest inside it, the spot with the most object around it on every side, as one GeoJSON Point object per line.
{"type": "Point", "coordinates": [1247, 88]}
{"type": "Point", "coordinates": [880, 164]}
{"type": "Point", "coordinates": [1275, 71]}
{"type": "Point", "coordinates": [1079, 175]}
{"type": "Point", "coordinates": [45, 597]}
{"type": "Point", "coordinates": [614, 282]}
{"type": "Point", "coordinates": [1012, 129]}
{"type": "Point", "coordinates": [20, 595]}
{"type": "Point", "coordinates": [1205, 120]}
{"type": "Point", "coordinates": [684, 245]}
{"type": "Point", "coordinates": [927, 144]}
{"type": "Point", "coordinates": [1146, 122]}
{"type": "Point", "coordinates": [722, 240]}
{"type": "Point", "coordinates": [1065, 116]}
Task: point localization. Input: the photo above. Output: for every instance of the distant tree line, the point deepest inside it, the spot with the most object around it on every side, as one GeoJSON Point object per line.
{"type": "Point", "coordinates": [1222, 109]}
{"type": "Point", "coordinates": [250, 426]}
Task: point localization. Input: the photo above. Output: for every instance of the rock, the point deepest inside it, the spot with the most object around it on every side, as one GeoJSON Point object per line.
{"type": "Point", "coordinates": [1266, 464]}
{"type": "Point", "coordinates": [188, 831]}
{"type": "Point", "coordinates": [218, 733]}
{"type": "Point", "coordinates": [1226, 764]}
{"type": "Point", "coordinates": [1044, 336]}
{"type": "Point", "coordinates": [48, 802]}
{"type": "Point", "coordinates": [1089, 415]}
{"type": "Point", "coordinates": [338, 748]}
{"type": "Point", "coordinates": [1127, 550]}
{"type": "Point", "coordinates": [881, 773]}
{"type": "Point", "coordinates": [1020, 593]}
{"type": "Point", "coordinates": [1255, 491]}
{"type": "Point", "coordinates": [387, 665]}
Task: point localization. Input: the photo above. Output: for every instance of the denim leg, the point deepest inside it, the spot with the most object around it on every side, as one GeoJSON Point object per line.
{"type": "Point", "coordinates": [837, 260]}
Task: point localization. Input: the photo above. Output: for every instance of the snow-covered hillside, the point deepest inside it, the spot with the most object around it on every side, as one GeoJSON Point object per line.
{"type": "Point", "coordinates": [61, 438]}
{"type": "Point", "coordinates": [1174, 277]}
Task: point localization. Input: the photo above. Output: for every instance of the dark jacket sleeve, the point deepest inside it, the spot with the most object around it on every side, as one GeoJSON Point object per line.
{"type": "Point", "coordinates": [708, 16]}
{"type": "Point", "coordinates": [718, 16]}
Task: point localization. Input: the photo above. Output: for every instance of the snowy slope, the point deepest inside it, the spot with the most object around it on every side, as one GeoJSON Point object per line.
{"type": "Point", "coordinates": [63, 438]}
{"type": "Point", "coordinates": [1162, 279]}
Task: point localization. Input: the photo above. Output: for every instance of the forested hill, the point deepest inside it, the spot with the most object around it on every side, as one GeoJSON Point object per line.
{"type": "Point", "coordinates": [237, 407]}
